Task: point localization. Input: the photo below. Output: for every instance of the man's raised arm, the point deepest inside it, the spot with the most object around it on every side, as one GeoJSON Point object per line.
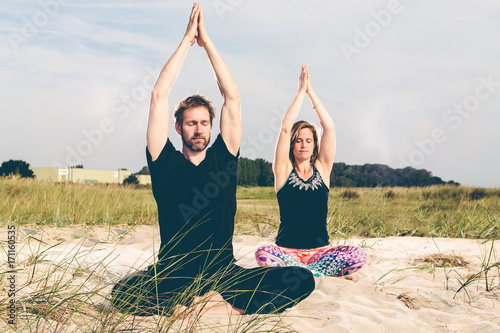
{"type": "Point", "coordinates": [159, 114]}
{"type": "Point", "coordinates": [230, 118]}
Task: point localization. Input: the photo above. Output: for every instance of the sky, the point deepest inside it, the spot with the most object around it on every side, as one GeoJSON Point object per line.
{"type": "Point", "coordinates": [407, 83]}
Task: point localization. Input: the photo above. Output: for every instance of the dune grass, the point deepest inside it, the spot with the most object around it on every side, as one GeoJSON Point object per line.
{"type": "Point", "coordinates": [437, 211]}
{"type": "Point", "coordinates": [62, 289]}
{"type": "Point", "coordinates": [26, 201]}
{"type": "Point", "coordinates": [60, 295]}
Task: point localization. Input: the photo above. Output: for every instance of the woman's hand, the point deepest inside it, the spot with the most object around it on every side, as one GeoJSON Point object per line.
{"type": "Point", "coordinates": [304, 79]}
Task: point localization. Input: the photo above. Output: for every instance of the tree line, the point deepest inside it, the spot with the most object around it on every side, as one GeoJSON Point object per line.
{"type": "Point", "coordinates": [259, 173]}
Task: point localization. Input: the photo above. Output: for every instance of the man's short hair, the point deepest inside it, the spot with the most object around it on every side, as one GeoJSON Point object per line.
{"type": "Point", "coordinates": [193, 102]}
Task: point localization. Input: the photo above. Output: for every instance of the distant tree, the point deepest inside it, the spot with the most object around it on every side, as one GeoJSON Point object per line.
{"type": "Point", "coordinates": [248, 172]}
{"type": "Point", "coordinates": [373, 175]}
{"type": "Point", "coordinates": [266, 177]}
{"type": "Point", "coordinates": [16, 167]}
{"type": "Point", "coordinates": [79, 166]}
{"type": "Point", "coordinates": [143, 171]}
{"type": "Point", "coordinates": [259, 173]}
{"type": "Point", "coordinates": [131, 180]}
{"type": "Point", "coordinates": [124, 169]}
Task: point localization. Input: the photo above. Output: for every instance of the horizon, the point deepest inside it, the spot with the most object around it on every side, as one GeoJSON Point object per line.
{"type": "Point", "coordinates": [407, 84]}
{"type": "Point", "coordinates": [145, 166]}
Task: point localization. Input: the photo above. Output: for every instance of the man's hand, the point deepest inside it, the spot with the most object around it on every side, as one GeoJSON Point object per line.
{"type": "Point", "coordinates": [202, 37]}
{"type": "Point", "coordinates": [159, 112]}
{"type": "Point", "coordinates": [192, 28]}
{"type": "Point", "coordinates": [230, 116]}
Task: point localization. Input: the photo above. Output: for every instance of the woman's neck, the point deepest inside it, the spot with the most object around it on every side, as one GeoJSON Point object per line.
{"type": "Point", "coordinates": [303, 169]}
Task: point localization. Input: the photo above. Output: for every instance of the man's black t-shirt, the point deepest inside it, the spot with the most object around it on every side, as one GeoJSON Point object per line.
{"type": "Point", "coordinates": [196, 203]}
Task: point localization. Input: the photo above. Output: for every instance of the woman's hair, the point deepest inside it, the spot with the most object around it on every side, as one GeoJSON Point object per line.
{"type": "Point", "coordinates": [295, 133]}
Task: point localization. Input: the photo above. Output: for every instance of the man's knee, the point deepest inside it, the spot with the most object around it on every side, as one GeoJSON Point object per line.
{"type": "Point", "coordinates": [299, 279]}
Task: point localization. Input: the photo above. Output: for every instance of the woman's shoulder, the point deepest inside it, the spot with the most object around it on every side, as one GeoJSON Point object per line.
{"type": "Point", "coordinates": [323, 172]}
{"type": "Point", "coordinates": [281, 176]}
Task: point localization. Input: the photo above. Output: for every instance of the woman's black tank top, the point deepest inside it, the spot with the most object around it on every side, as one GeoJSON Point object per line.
{"type": "Point", "coordinates": [303, 209]}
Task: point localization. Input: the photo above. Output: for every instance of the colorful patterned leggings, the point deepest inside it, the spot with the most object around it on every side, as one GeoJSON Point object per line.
{"type": "Point", "coordinates": [324, 261]}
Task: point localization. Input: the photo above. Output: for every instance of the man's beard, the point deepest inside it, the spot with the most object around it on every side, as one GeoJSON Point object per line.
{"type": "Point", "coordinates": [188, 142]}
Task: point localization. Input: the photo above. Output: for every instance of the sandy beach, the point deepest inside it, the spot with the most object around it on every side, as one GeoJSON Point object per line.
{"type": "Point", "coordinates": [409, 284]}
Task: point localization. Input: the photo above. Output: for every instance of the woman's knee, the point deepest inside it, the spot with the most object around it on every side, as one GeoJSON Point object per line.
{"type": "Point", "coordinates": [269, 256]}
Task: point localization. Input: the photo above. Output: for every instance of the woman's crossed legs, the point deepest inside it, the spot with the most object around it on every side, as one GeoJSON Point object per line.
{"type": "Point", "coordinates": [324, 261]}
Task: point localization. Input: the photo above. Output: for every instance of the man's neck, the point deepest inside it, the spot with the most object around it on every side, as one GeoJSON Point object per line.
{"type": "Point", "coordinates": [195, 157]}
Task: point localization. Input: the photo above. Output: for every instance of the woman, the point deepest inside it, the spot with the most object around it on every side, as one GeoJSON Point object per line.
{"type": "Point", "coordinates": [302, 169]}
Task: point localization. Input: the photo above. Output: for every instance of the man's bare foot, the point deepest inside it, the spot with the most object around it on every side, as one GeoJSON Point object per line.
{"type": "Point", "coordinates": [213, 303]}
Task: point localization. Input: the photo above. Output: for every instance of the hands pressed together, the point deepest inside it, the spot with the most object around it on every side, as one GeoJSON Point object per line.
{"type": "Point", "coordinates": [304, 82]}
{"type": "Point", "coordinates": [304, 79]}
{"type": "Point", "coordinates": [196, 30]}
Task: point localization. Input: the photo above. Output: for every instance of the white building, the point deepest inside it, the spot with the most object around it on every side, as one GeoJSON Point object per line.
{"type": "Point", "coordinates": [92, 176]}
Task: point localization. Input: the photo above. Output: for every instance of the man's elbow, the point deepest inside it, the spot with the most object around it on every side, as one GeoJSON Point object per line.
{"type": "Point", "coordinates": [233, 96]}
{"type": "Point", "coordinates": [158, 94]}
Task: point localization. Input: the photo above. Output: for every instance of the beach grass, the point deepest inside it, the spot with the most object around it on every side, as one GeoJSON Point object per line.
{"type": "Point", "coordinates": [437, 211]}
{"type": "Point", "coordinates": [66, 289]}
{"type": "Point", "coordinates": [59, 294]}
{"type": "Point", "coordinates": [27, 201]}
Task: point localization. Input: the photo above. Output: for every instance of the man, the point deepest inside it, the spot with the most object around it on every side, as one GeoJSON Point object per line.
{"type": "Point", "coordinates": [195, 191]}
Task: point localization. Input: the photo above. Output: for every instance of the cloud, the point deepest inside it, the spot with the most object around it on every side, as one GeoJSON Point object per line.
{"type": "Point", "coordinates": [81, 65]}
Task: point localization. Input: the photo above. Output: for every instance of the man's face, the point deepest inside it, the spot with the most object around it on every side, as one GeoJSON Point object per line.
{"type": "Point", "coordinates": [195, 128]}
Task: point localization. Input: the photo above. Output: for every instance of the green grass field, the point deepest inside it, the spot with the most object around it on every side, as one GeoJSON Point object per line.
{"type": "Point", "coordinates": [438, 211]}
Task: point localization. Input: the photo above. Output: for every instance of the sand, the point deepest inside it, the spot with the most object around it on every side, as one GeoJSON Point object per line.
{"type": "Point", "coordinates": [403, 287]}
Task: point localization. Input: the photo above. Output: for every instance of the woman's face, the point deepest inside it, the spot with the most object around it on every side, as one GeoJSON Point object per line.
{"type": "Point", "coordinates": [303, 146]}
